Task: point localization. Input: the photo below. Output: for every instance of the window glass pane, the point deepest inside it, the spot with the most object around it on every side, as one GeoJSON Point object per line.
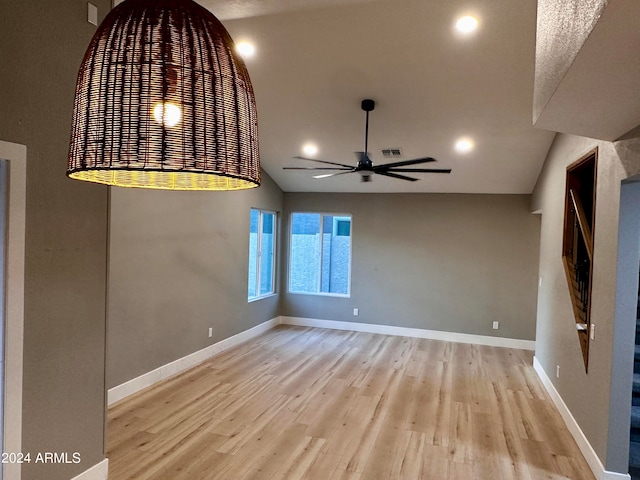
{"type": "Point", "coordinates": [253, 252]}
{"type": "Point", "coordinates": [343, 227]}
{"type": "Point", "coordinates": [320, 253]}
{"type": "Point", "coordinates": [336, 256]}
{"type": "Point", "coordinates": [267, 249]}
{"type": "Point", "coordinates": [304, 268]}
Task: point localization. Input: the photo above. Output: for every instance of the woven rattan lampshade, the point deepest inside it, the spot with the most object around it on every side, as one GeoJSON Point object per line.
{"type": "Point", "coordinates": [164, 101]}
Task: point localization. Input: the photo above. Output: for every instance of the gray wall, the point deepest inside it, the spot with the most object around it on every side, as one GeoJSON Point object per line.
{"type": "Point", "coordinates": [590, 397]}
{"type": "Point", "coordinates": [178, 265]}
{"type": "Point", "coordinates": [445, 262]}
{"type": "Point", "coordinates": [42, 44]}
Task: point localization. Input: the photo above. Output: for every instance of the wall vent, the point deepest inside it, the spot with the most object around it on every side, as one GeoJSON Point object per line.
{"type": "Point", "coordinates": [391, 152]}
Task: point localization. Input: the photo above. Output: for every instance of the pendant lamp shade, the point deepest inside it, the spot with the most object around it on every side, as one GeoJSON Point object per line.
{"type": "Point", "coordinates": [164, 101]}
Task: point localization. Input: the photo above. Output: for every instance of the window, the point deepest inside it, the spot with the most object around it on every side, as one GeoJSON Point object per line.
{"type": "Point", "coordinates": [262, 243]}
{"type": "Point", "coordinates": [320, 253]}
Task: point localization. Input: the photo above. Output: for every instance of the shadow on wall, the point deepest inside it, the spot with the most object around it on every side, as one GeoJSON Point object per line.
{"type": "Point", "coordinates": [629, 153]}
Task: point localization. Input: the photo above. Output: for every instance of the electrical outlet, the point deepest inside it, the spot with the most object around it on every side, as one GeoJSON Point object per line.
{"type": "Point", "coordinates": [210, 332]}
{"type": "Point", "coordinates": [496, 325]}
{"type": "Point", "coordinates": [356, 312]}
{"type": "Point", "coordinates": [557, 371]}
{"type": "Point", "coordinates": [593, 331]}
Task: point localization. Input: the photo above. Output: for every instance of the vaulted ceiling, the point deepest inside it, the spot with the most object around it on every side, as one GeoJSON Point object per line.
{"type": "Point", "coordinates": [316, 60]}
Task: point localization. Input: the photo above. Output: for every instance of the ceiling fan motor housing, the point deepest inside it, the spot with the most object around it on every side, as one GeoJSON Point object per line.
{"type": "Point", "coordinates": [364, 162]}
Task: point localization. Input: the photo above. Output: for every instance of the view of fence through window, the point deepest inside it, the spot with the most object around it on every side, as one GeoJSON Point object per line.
{"type": "Point", "coordinates": [262, 240]}
{"type": "Point", "coordinates": [320, 253]}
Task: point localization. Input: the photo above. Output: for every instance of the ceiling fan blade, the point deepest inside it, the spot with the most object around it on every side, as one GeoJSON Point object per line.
{"type": "Point", "coordinates": [401, 163]}
{"type": "Point", "coordinates": [317, 168]}
{"type": "Point", "coordinates": [421, 170]}
{"type": "Point", "coordinates": [323, 161]}
{"type": "Point", "coordinates": [327, 175]}
{"type": "Point", "coordinates": [393, 175]}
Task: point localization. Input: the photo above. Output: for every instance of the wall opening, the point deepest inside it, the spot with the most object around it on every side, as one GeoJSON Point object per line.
{"type": "Point", "coordinates": [577, 242]}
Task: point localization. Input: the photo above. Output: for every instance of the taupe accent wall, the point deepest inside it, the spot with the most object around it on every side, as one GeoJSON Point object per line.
{"type": "Point", "coordinates": [42, 44]}
{"type": "Point", "coordinates": [592, 398]}
{"type": "Point", "coordinates": [448, 262]}
{"type": "Point", "coordinates": [178, 266]}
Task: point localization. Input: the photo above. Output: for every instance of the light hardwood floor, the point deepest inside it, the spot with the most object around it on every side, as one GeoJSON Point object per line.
{"type": "Point", "coordinates": [305, 403]}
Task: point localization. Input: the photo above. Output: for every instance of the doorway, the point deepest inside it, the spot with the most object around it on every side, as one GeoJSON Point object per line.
{"type": "Point", "coordinates": [622, 440]}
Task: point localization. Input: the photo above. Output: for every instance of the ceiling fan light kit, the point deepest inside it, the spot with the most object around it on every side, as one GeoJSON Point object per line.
{"type": "Point", "coordinates": [164, 101]}
{"type": "Point", "coordinates": [365, 166]}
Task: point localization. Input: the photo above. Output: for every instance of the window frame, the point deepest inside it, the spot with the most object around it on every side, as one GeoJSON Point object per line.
{"type": "Point", "coordinates": [258, 265]}
{"type": "Point", "coordinates": [321, 250]}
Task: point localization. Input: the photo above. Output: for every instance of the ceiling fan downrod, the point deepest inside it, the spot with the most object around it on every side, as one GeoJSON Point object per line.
{"type": "Point", "coordinates": [367, 105]}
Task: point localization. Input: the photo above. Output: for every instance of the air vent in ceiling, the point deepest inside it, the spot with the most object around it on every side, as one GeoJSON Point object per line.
{"type": "Point", "coordinates": [391, 152]}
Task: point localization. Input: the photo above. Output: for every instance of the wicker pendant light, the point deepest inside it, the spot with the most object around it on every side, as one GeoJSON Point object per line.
{"type": "Point", "coordinates": [164, 101]}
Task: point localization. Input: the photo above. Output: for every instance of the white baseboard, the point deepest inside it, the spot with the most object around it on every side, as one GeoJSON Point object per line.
{"type": "Point", "coordinates": [100, 471]}
{"type": "Point", "coordinates": [615, 476]}
{"type": "Point", "coordinates": [161, 373]}
{"type": "Point", "coordinates": [583, 444]}
{"type": "Point", "coordinates": [412, 332]}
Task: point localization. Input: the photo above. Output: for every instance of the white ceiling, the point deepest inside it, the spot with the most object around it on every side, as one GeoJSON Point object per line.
{"type": "Point", "coordinates": [317, 59]}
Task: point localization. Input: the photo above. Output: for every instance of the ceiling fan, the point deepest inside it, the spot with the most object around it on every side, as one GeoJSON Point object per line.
{"type": "Point", "coordinates": [366, 167]}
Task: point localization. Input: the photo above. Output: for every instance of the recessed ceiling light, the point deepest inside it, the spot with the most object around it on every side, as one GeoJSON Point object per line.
{"type": "Point", "coordinates": [466, 24]}
{"type": "Point", "coordinates": [310, 149]}
{"type": "Point", "coordinates": [246, 49]}
{"type": "Point", "coordinates": [464, 145]}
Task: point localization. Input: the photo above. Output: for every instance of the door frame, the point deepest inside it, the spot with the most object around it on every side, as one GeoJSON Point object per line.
{"type": "Point", "coordinates": [16, 155]}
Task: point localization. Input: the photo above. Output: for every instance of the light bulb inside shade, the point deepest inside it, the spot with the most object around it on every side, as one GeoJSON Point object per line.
{"type": "Point", "coordinates": [466, 24]}
{"type": "Point", "coordinates": [167, 114]}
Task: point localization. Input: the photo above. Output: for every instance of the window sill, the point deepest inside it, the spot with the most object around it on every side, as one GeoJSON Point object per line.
{"type": "Point", "coordinates": [261, 297]}
{"type": "Point", "coordinates": [323, 294]}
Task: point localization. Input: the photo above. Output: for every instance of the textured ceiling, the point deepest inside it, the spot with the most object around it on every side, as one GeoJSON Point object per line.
{"type": "Point", "coordinates": [317, 59]}
{"type": "Point", "coordinates": [587, 68]}
{"type": "Point", "coordinates": [563, 27]}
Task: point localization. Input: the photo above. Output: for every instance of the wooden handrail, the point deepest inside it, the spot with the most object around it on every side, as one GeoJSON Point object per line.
{"type": "Point", "coordinates": [582, 222]}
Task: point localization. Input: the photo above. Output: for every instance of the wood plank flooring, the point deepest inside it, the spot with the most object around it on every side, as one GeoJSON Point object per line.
{"type": "Point", "coordinates": [314, 404]}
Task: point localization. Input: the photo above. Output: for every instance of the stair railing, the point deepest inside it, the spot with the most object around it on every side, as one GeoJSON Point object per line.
{"type": "Point", "coordinates": [577, 260]}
